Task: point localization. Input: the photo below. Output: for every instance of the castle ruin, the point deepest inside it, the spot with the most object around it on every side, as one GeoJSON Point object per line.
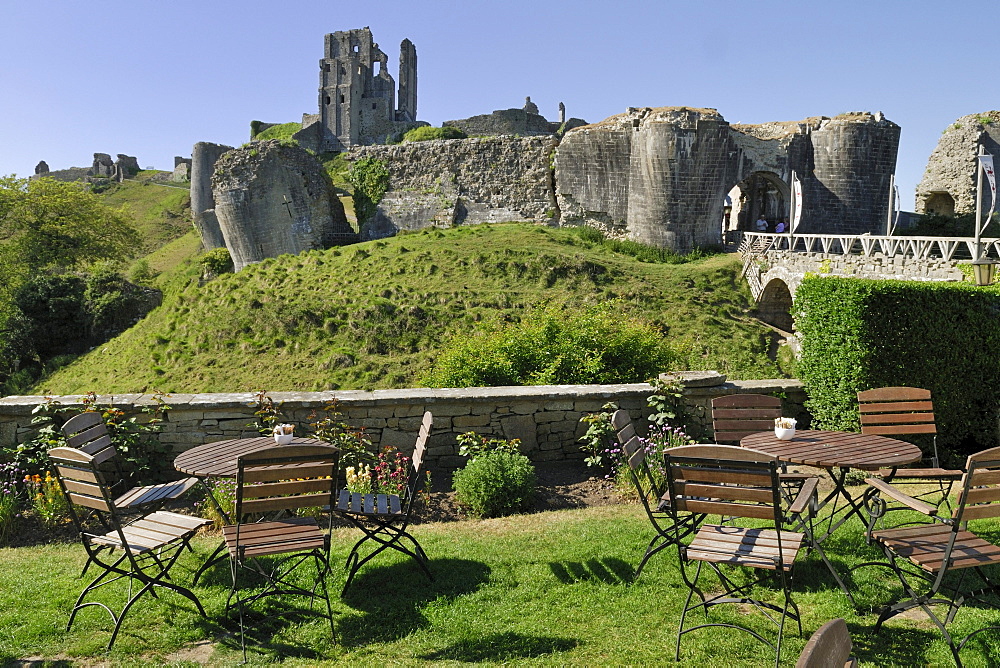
{"type": "Point", "coordinates": [358, 102]}
{"type": "Point", "coordinates": [948, 187]}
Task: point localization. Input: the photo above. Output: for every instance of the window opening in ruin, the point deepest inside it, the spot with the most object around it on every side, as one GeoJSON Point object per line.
{"type": "Point", "coordinates": [342, 70]}
{"type": "Point", "coordinates": [373, 106]}
{"type": "Point", "coordinates": [328, 99]}
{"type": "Point", "coordinates": [342, 99]}
{"type": "Point", "coordinates": [356, 48]}
{"type": "Point", "coordinates": [760, 194]}
{"type": "Point", "coordinates": [326, 68]}
{"type": "Point", "coordinates": [941, 204]}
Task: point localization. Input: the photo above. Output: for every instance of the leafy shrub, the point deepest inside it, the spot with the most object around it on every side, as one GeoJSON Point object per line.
{"type": "Point", "coordinates": [216, 261]}
{"type": "Point", "coordinates": [496, 483]}
{"type": "Point", "coordinates": [54, 315]}
{"type": "Point", "coordinates": [427, 133]}
{"type": "Point", "coordinates": [473, 445]}
{"type": "Point", "coordinates": [859, 334]}
{"type": "Point", "coordinates": [552, 346]}
{"type": "Point", "coordinates": [370, 178]}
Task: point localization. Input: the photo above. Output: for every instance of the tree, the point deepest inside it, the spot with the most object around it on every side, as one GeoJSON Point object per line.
{"type": "Point", "coordinates": [46, 223]}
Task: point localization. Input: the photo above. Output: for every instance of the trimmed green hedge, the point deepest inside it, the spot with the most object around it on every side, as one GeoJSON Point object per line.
{"type": "Point", "coordinates": [861, 334]}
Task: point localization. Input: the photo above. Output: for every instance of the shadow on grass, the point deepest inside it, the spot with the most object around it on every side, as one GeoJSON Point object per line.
{"type": "Point", "coordinates": [893, 646]}
{"type": "Point", "coordinates": [501, 647]}
{"type": "Point", "coordinates": [609, 571]}
{"type": "Point", "coordinates": [387, 601]}
{"type": "Point", "coordinates": [10, 662]}
{"type": "Point", "coordinates": [262, 626]}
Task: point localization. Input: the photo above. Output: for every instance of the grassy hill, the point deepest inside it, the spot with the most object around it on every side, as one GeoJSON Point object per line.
{"type": "Point", "coordinates": [162, 210]}
{"type": "Point", "coordinates": [375, 315]}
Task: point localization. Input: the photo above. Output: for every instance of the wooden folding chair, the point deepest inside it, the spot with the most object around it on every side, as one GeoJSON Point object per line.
{"type": "Point", "coordinates": [736, 416]}
{"type": "Point", "coordinates": [384, 518]}
{"type": "Point", "coordinates": [738, 483]}
{"type": "Point", "coordinates": [924, 556]}
{"type": "Point", "coordinates": [149, 544]}
{"type": "Point", "coordinates": [281, 479]}
{"type": "Point", "coordinates": [829, 647]}
{"type": "Point", "coordinates": [651, 490]}
{"type": "Point", "coordinates": [907, 411]}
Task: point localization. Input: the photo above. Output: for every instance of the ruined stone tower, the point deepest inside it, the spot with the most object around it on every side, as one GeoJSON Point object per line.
{"type": "Point", "coordinates": [357, 95]}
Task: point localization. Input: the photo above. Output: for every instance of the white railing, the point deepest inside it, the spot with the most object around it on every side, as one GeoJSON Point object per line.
{"type": "Point", "coordinates": [754, 244]}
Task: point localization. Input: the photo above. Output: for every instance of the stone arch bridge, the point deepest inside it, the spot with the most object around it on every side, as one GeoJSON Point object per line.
{"type": "Point", "coordinates": [775, 264]}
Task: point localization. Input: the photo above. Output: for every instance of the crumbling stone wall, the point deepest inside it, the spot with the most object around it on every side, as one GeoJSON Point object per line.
{"type": "Point", "coordinates": [948, 186]}
{"type": "Point", "coordinates": [272, 199]}
{"type": "Point", "coordinates": [661, 176]}
{"type": "Point", "coordinates": [521, 122]}
{"type": "Point", "coordinates": [462, 181]}
{"type": "Point", "coordinates": [204, 155]}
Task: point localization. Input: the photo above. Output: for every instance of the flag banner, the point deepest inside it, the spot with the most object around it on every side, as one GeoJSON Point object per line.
{"type": "Point", "coordinates": [797, 214]}
{"type": "Point", "coordinates": [986, 162]}
{"type": "Point", "coordinates": [895, 210]}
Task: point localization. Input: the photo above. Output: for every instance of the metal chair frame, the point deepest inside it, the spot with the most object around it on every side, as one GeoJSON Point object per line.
{"type": "Point", "coordinates": [739, 483]}
{"type": "Point", "coordinates": [384, 518]}
{"type": "Point", "coordinates": [150, 544]}
{"type": "Point", "coordinates": [907, 411]}
{"type": "Point", "coordinates": [281, 479]}
{"type": "Point", "coordinates": [88, 433]}
{"type": "Point", "coordinates": [929, 552]}
{"type": "Point", "coordinates": [652, 493]}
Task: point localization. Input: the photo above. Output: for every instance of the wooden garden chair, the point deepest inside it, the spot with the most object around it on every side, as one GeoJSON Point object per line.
{"type": "Point", "coordinates": [907, 411]}
{"type": "Point", "coordinates": [281, 479]}
{"type": "Point", "coordinates": [149, 544]}
{"type": "Point", "coordinates": [923, 557]}
{"type": "Point", "coordinates": [738, 483]}
{"type": "Point", "coordinates": [829, 647]}
{"type": "Point", "coordinates": [736, 416]}
{"type": "Point", "coordinates": [651, 490]}
{"type": "Point", "coordinates": [384, 518]}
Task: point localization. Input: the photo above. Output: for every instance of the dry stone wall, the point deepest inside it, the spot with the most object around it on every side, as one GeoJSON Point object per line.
{"type": "Point", "coordinates": [545, 418]}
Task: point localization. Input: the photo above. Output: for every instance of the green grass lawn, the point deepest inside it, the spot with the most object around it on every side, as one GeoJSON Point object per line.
{"type": "Point", "coordinates": [551, 588]}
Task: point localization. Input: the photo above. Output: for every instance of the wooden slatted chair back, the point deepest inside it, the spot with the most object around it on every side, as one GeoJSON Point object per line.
{"type": "Point", "coordinates": [736, 416]}
{"type": "Point", "coordinates": [634, 452]}
{"type": "Point", "coordinates": [420, 447]}
{"type": "Point", "coordinates": [724, 480]}
{"type": "Point", "coordinates": [286, 477]}
{"type": "Point", "coordinates": [81, 479]}
{"type": "Point", "coordinates": [829, 647]}
{"type": "Point", "coordinates": [979, 495]}
{"type": "Point", "coordinates": [896, 411]}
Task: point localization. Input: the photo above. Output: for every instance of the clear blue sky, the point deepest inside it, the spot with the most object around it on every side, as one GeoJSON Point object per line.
{"type": "Point", "coordinates": [150, 79]}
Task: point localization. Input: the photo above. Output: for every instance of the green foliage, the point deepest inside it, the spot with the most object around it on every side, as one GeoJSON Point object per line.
{"type": "Point", "coordinates": [551, 346]}
{"type": "Point", "coordinates": [427, 133]}
{"type": "Point", "coordinates": [370, 178]}
{"type": "Point", "coordinates": [963, 225]}
{"type": "Point", "coordinates": [282, 131]}
{"type": "Point", "coordinates": [859, 334]}
{"type": "Point", "coordinates": [355, 445]}
{"type": "Point", "coordinates": [600, 442]}
{"type": "Point", "coordinates": [216, 261]}
{"type": "Point", "coordinates": [48, 223]}
{"type": "Point", "coordinates": [55, 317]}
{"type": "Point", "coordinates": [473, 445]}
{"type": "Point", "coordinates": [496, 483]}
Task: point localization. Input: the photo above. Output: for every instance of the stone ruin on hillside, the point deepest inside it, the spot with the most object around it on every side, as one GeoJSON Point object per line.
{"type": "Point", "coordinates": [102, 167]}
{"type": "Point", "coordinates": [948, 187]}
{"type": "Point", "coordinates": [272, 199]}
{"type": "Point", "coordinates": [358, 104]}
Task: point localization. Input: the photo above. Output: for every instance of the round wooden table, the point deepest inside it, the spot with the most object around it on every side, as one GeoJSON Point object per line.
{"type": "Point", "coordinates": [218, 459]}
{"type": "Point", "coordinates": [836, 449]}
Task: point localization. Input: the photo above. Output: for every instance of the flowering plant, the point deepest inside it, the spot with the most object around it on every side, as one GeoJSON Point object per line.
{"type": "Point", "coordinates": [9, 473]}
{"type": "Point", "coordinates": [223, 490]}
{"type": "Point", "coordinates": [784, 423]}
{"type": "Point", "coordinates": [392, 470]}
{"type": "Point", "coordinates": [47, 498]}
{"type": "Point", "coordinates": [659, 440]}
{"type": "Point", "coordinates": [359, 479]}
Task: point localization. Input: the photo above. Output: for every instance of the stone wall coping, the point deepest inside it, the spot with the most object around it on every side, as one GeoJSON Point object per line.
{"type": "Point", "coordinates": [749, 387]}
{"type": "Point", "coordinates": [22, 405]}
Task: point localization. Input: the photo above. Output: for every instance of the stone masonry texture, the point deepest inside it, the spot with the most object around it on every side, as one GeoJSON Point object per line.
{"type": "Point", "coordinates": [949, 182]}
{"type": "Point", "coordinates": [546, 419]}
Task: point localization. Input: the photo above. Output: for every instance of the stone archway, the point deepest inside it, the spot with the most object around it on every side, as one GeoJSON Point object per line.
{"type": "Point", "coordinates": [775, 305]}
{"type": "Point", "coordinates": [760, 193]}
{"type": "Point", "coordinates": [940, 203]}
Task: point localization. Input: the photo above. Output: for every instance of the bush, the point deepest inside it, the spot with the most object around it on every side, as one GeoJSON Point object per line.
{"type": "Point", "coordinates": [496, 483]}
{"type": "Point", "coordinates": [370, 178]}
{"type": "Point", "coordinates": [216, 261]}
{"type": "Point", "coordinates": [553, 347]}
{"type": "Point", "coordinates": [860, 334]}
{"type": "Point", "coordinates": [427, 133]}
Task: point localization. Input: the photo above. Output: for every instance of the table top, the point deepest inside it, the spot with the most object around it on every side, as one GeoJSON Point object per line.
{"type": "Point", "coordinates": [828, 449]}
{"type": "Point", "coordinates": [218, 459]}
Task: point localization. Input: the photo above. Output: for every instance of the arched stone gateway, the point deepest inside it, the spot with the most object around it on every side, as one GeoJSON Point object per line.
{"type": "Point", "coordinates": [775, 305]}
